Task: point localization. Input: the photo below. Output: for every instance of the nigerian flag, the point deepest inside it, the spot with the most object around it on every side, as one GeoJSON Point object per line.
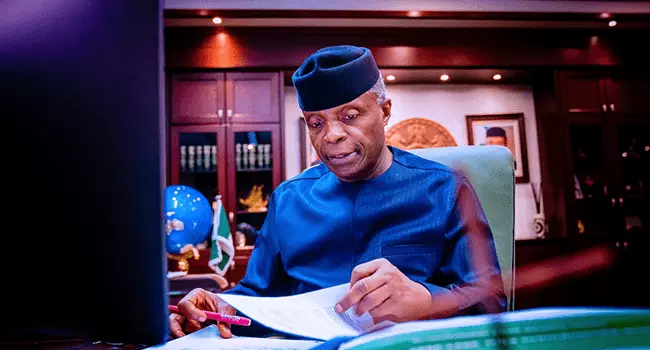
{"type": "Point", "coordinates": [223, 249]}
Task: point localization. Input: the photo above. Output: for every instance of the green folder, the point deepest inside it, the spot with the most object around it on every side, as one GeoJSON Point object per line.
{"type": "Point", "coordinates": [544, 328]}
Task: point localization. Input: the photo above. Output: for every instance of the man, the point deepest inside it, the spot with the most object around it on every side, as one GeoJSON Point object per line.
{"type": "Point", "coordinates": [402, 230]}
{"type": "Point", "coordinates": [496, 136]}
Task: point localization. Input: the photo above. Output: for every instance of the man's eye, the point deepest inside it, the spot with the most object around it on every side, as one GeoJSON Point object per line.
{"type": "Point", "coordinates": [350, 116]}
{"type": "Point", "coordinates": [315, 124]}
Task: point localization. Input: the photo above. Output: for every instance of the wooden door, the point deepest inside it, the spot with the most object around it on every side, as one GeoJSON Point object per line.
{"type": "Point", "coordinates": [630, 166]}
{"type": "Point", "coordinates": [197, 98]}
{"type": "Point", "coordinates": [253, 97]}
{"type": "Point", "coordinates": [628, 94]}
{"type": "Point", "coordinates": [191, 167]}
{"type": "Point", "coordinates": [582, 93]}
{"type": "Point", "coordinates": [590, 200]}
{"type": "Point", "coordinates": [254, 163]}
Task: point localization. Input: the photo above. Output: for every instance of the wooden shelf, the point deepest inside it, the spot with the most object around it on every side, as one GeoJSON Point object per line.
{"type": "Point", "coordinates": [199, 172]}
{"type": "Point", "coordinates": [238, 212]}
{"type": "Point", "coordinates": [255, 170]}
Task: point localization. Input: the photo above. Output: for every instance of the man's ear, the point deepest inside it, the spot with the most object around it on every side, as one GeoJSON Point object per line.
{"type": "Point", "coordinates": [386, 108]}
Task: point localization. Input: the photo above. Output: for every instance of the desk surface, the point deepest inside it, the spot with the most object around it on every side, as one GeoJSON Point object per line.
{"type": "Point", "coordinates": [67, 344]}
{"type": "Point", "coordinates": [612, 328]}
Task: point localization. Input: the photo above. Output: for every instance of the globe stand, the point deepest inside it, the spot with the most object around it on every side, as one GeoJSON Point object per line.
{"type": "Point", "coordinates": [187, 252]}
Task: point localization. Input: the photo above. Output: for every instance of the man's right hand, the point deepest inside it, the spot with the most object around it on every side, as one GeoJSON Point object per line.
{"type": "Point", "coordinates": [191, 316]}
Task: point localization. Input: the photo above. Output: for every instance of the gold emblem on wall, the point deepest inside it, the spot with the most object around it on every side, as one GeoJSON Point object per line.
{"type": "Point", "coordinates": [416, 133]}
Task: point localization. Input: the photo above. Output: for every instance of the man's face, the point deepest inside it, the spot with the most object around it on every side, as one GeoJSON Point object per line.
{"type": "Point", "coordinates": [350, 138]}
{"type": "Point", "coordinates": [496, 140]}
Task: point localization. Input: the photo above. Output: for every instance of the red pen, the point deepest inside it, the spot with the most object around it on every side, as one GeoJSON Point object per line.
{"type": "Point", "coordinates": [215, 316]}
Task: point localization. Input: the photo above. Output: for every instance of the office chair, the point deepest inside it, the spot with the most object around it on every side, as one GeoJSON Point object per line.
{"type": "Point", "coordinates": [490, 170]}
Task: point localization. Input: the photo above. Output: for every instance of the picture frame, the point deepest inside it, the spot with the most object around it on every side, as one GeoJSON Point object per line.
{"type": "Point", "coordinates": [308, 156]}
{"type": "Point", "coordinates": [515, 137]}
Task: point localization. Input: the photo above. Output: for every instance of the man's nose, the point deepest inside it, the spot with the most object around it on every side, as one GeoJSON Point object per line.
{"type": "Point", "coordinates": [334, 133]}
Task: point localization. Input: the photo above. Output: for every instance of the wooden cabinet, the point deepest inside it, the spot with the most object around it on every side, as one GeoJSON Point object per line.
{"type": "Point", "coordinates": [259, 170]}
{"type": "Point", "coordinates": [608, 168]}
{"type": "Point", "coordinates": [628, 94]}
{"type": "Point", "coordinates": [197, 98]}
{"type": "Point", "coordinates": [208, 98]}
{"type": "Point", "coordinates": [252, 97]}
{"type": "Point", "coordinates": [624, 93]}
{"type": "Point", "coordinates": [226, 139]}
{"type": "Point", "coordinates": [582, 92]}
{"type": "Point", "coordinates": [198, 158]}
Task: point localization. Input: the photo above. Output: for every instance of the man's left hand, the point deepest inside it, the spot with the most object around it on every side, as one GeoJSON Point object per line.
{"type": "Point", "coordinates": [379, 288]}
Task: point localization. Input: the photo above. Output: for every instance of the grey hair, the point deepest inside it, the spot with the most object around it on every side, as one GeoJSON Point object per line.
{"type": "Point", "coordinates": [379, 89]}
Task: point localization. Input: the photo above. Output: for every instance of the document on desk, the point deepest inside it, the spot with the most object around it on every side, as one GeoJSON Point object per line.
{"type": "Point", "coordinates": [208, 339]}
{"type": "Point", "coordinates": [543, 328]}
{"type": "Point", "coordinates": [310, 315]}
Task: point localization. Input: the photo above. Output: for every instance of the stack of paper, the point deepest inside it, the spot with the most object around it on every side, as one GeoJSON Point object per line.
{"type": "Point", "coordinates": [309, 315]}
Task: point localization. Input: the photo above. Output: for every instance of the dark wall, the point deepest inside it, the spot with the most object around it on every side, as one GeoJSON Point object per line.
{"type": "Point", "coordinates": [392, 47]}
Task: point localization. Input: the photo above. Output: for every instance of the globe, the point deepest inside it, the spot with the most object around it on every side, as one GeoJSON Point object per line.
{"type": "Point", "coordinates": [188, 217]}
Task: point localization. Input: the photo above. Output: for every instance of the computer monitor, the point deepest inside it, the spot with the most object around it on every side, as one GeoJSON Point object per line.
{"type": "Point", "coordinates": [82, 240]}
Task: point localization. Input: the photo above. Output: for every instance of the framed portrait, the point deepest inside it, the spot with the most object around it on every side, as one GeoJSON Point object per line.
{"type": "Point", "coordinates": [504, 130]}
{"type": "Point", "coordinates": [308, 156]}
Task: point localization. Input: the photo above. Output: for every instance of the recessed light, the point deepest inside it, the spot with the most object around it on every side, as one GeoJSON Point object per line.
{"type": "Point", "coordinates": [605, 15]}
{"type": "Point", "coordinates": [217, 20]}
{"type": "Point", "coordinates": [413, 14]}
{"type": "Point", "coordinates": [612, 23]}
{"type": "Point", "coordinates": [496, 76]}
{"type": "Point", "coordinates": [593, 40]}
{"type": "Point", "coordinates": [444, 77]}
{"type": "Point", "coordinates": [390, 77]}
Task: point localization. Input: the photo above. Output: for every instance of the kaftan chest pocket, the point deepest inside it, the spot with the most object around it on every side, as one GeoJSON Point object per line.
{"type": "Point", "coordinates": [416, 261]}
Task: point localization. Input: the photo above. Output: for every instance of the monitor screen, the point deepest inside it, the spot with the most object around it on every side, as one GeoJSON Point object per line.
{"type": "Point", "coordinates": [84, 173]}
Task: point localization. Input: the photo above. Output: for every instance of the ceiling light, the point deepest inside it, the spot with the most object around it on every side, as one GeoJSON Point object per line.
{"type": "Point", "coordinates": [612, 23]}
{"type": "Point", "coordinates": [390, 77]}
{"type": "Point", "coordinates": [217, 20]}
{"type": "Point", "coordinates": [496, 76]}
{"type": "Point", "coordinates": [413, 14]}
{"type": "Point", "coordinates": [444, 77]}
{"type": "Point", "coordinates": [605, 15]}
